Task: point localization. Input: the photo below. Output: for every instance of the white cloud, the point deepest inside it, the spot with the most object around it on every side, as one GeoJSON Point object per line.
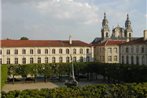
{"type": "Point", "coordinates": [146, 16]}
{"type": "Point", "coordinates": [69, 9]}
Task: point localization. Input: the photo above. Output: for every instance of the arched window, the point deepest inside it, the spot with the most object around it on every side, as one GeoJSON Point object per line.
{"type": "Point", "coordinates": [74, 59]}
{"type": "Point", "coordinates": [87, 59]}
{"type": "Point", "coordinates": [107, 35]}
{"type": "Point", "coordinates": [122, 59]}
{"type": "Point", "coordinates": [87, 51]}
{"type": "Point", "coordinates": [53, 51]}
{"type": "Point", "coordinates": [132, 49]}
{"type": "Point", "coordinates": [60, 51]}
{"type": "Point", "coordinates": [81, 51]}
{"type": "Point", "coordinates": [115, 50]}
{"type": "Point", "coordinates": [132, 60]}
{"type": "Point", "coordinates": [81, 59]}
{"type": "Point", "coordinates": [129, 35]}
{"type": "Point", "coordinates": [127, 49]}
{"type": "Point", "coordinates": [39, 60]}
{"type": "Point", "coordinates": [142, 49]}
{"type": "Point", "coordinates": [46, 59]}
{"type": "Point", "coordinates": [127, 60]}
{"type": "Point", "coordinates": [74, 51]}
{"type": "Point", "coordinates": [23, 60]}
{"type": "Point", "coordinates": [67, 59]}
{"type": "Point", "coordinates": [53, 59]}
{"type": "Point", "coordinates": [67, 51]}
{"type": "Point", "coordinates": [60, 59]}
{"type": "Point", "coordinates": [31, 60]}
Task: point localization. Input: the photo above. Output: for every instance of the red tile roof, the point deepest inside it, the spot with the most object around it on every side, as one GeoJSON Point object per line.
{"type": "Point", "coordinates": [136, 41]}
{"type": "Point", "coordinates": [41, 43]}
{"type": "Point", "coordinates": [110, 42]}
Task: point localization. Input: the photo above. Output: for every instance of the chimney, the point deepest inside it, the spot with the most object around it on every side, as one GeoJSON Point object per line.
{"type": "Point", "coordinates": [145, 34]}
{"type": "Point", "coordinates": [70, 40]}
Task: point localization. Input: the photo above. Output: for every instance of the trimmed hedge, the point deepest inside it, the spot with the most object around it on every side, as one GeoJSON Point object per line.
{"type": "Point", "coordinates": [113, 73]}
{"type": "Point", "coordinates": [91, 91]}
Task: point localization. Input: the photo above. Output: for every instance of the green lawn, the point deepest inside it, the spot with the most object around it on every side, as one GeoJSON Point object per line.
{"type": "Point", "coordinates": [3, 74]}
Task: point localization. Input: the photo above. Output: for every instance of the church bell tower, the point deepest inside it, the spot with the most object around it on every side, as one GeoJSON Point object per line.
{"type": "Point", "coordinates": [105, 28]}
{"type": "Point", "coordinates": [128, 28]}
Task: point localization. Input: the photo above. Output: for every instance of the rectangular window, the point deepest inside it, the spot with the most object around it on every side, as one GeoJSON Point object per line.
{"type": "Point", "coordinates": [39, 51]}
{"type": "Point", "coordinates": [23, 51]}
{"type": "Point", "coordinates": [142, 50]}
{"type": "Point", "coordinates": [109, 58]}
{"type": "Point", "coordinates": [23, 60]}
{"type": "Point", "coordinates": [137, 49]}
{"type": "Point", "coordinates": [74, 51]}
{"type": "Point", "coordinates": [46, 59]}
{"type": "Point", "coordinates": [81, 51]}
{"type": "Point", "coordinates": [60, 59]}
{"type": "Point", "coordinates": [60, 51]}
{"type": "Point", "coordinates": [46, 51]}
{"type": "Point", "coordinates": [74, 59]}
{"type": "Point", "coordinates": [53, 59]}
{"type": "Point", "coordinates": [8, 60]}
{"type": "Point", "coordinates": [87, 51]}
{"type": "Point", "coordinates": [0, 60]}
{"type": "Point", "coordinates": [39, 60]}
{"type": "Point", "coordinates": [67, 51]}
{"type": "Point", "coordinates": [8, 51]}
{"type": "Point", "coordinates": [15, 51]}
{"type": "Point", "coordinates": [31, 60]}
{"type": "Point", "coordinates": [16, 60]}
{"type": "Point", "coordinates": [53, 51]}
{"type": "Point", "coordinates": [67, 59]}
{"type": "Point", "coordinates": [31, 51]}
{"type": "Point", "coordinates": [115, 50]}
{"type": "Point", "coordinates": [115, 58]}
{"type": "Point", "coordinates": [109, 50]}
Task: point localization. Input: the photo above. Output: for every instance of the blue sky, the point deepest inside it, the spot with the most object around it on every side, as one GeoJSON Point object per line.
{"type": "Point", "coordinates": [57, 19]}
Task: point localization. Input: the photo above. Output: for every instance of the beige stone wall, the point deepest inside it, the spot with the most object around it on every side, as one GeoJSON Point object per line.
{"type": "Point", "coordinates": [135, 54]}
{"type": "Point", "coordinates": [107, 54]}
{"type": "Point", "coordinates": [35, 55]}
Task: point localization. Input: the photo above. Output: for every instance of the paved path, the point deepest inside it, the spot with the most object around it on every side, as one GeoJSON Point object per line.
{"type": "Point", "coordinates": [40, 85]}
{"type": "Point", "coordinates": [23, 86]}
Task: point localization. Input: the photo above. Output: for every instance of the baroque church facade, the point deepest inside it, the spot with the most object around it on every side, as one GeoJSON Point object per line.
{"type": "Point", "coordinates": [118, 33]}
{"type": "Point", "coordinates": [106, 48]}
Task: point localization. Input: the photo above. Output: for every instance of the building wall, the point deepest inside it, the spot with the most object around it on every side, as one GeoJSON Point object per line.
{"type": "Point", "coordinates": [43, 55]}
{"type": "Point", "coordinates": [134, 54]}
{"type": "Point", "coordinates": [107, 54]}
